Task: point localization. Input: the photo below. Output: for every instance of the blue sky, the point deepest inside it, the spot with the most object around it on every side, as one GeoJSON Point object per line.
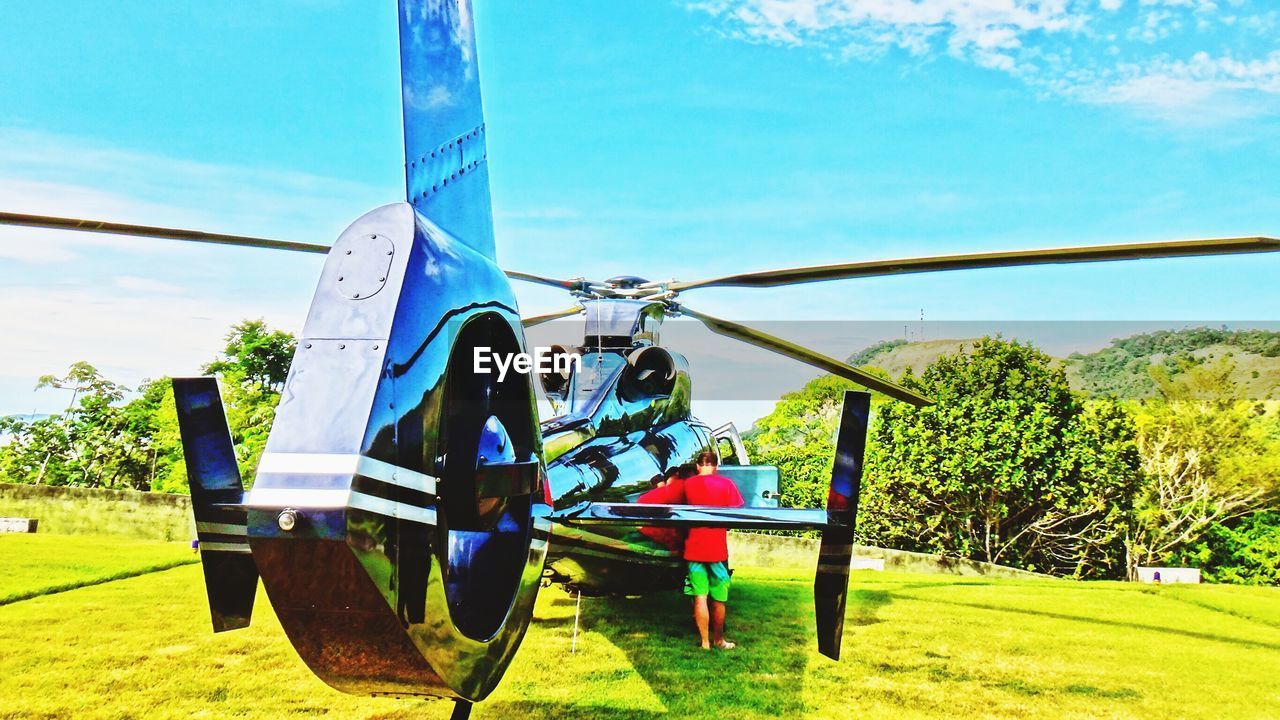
{"type": "Point", "coordinates": [666, 139]}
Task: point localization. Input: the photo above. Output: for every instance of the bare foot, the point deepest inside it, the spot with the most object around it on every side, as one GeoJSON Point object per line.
{"type": "Point", "coordinates": [726, 645]}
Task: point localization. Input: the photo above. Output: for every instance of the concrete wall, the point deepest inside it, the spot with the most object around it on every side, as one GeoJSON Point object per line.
{"type": "Point", "coordinates": [1169, 574]}
{"type": "Point", "coordinates": [69, 510]}
{"type": "Point", "coordinates": [797, 552]}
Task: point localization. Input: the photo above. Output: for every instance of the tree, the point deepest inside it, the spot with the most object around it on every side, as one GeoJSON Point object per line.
{"type": "Point", "coordinates": [253, 367]}
{"type": "Point", "coordinates": [1209, 457]}
{"type": "Point", "coordinates": [257, 354]}
{"type": "Point", "coordinates": [799, 438]}
{"type": "Point", "coordinates": [1008, 467]}
{"type": "Point", "coordinates": [1245, 552]}
{"type": "Point", "coordinates": [104, 441]}
{"type": "Point", "coordinates": [95, 443]}
{"type": "Point", "coordinates": [38, 450]}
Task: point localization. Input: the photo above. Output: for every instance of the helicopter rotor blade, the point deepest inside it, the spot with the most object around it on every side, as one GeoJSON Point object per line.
{"type": "Point", "coordinates": [162, 233]}
{"type": "Point", "coordinates": [539, 319]}
{"type": "Point", "coordinates": [1012, 258]}
{"type": "Point", "coordinates": [805, 355]}
{"type": "Point", "coordinates": [541, 280]}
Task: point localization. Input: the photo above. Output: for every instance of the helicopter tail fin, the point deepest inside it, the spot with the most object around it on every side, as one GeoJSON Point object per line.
{"type": "Point", "coordinates": [230, 575]}
{"type": "Point", "coordinates": [446, 173]}
{"type": "Point", "coordinates": [831, 583]}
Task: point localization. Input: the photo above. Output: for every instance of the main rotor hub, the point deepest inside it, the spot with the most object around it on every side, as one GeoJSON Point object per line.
{"type": "Point", "coordinates": [626, 282]}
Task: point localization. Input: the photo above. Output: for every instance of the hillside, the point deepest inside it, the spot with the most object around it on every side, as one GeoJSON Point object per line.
{"type": "Point", "coordinates": [1123, 368]}
{"type": "Point", "coordinates": [896, 356]}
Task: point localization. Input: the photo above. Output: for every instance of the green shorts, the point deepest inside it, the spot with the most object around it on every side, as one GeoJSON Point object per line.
{"type": "Point", "coordinates": [708, 579]}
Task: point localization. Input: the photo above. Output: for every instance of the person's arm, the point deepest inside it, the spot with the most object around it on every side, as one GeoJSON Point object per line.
{"type": "Point", "coordinates": [670, 494]}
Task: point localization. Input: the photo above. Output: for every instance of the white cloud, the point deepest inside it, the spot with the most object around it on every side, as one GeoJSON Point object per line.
{"type": "Point", "coordinates": [139, 307]}
{"type": "Point", "coordinates": [146, 285]}
{"type": "Point", "coordinates": [129, 336]}
{"type": "Point", "coordinates": [58, 175]}
{"type": "Point", "coordinates": [1204, 89]}
{"type": "Point", "coordinates": [21, 247]}
{"type": "Point", "coordinates": [1155, 56]}
{"type": "Point", "coordinates": [870, 27]}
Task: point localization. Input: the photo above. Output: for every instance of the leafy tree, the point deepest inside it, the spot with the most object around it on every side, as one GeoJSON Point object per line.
{"type": "Point", "coordinates": [37, 451]}
{"type": "Point", "coordinates": [1245, 552]}
{"type": "Point", "coordinates": [253, 367]}
{"type": "Point", "coordinates": [95, 443]}
{"type": "Point", "coordinates": [1008, 467]}
{"type": "Point", "coordinates": [1209, 456]}
{"type": "Point", "coordinates": [799, 437]}
{"type": "Point", "coordinates": [104, 441]}
{"type": "Point", "coordinates": [257, 354]}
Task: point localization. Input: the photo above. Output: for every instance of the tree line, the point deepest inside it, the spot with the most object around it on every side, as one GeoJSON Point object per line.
{"type": "Point", "coordinates": [104, 441]}
{"type": "Point", "coordinates": [1010, 466]}
{"type": "Point", "coordinates": [1013, 467]}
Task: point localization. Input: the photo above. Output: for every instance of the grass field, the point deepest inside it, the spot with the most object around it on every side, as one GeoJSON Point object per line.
{"type": "Point", "coordinates": [916, 646]}
{"type": "Point", "coordinates": [33, 565]}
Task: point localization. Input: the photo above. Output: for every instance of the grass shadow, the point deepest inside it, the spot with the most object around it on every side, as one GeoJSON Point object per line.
{"type": "Point", "coordinates": [763, 677]}
{"type": "Point", "coordinates": [1212, 607]}
{"type": "Point", "coordinates": [864, 606]}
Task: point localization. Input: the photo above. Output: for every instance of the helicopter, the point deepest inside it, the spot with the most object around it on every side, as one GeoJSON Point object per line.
{"type": "Point", "coordinates": [409, 506]}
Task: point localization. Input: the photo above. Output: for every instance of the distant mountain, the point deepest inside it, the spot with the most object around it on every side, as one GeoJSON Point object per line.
{"type": "Point", "coordinates": [895, 356]}
{"type": "Point", "coordinates": [1122, 368]}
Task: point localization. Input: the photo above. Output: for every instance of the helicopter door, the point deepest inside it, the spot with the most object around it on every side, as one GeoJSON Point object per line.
{"type": "Point", "coordinates": [757, 483]}
{"type": "Point", "coordinates": [729, 444]}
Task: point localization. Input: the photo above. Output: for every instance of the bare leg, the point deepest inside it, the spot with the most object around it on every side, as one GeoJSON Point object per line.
{"type": "Point", "coordinates": [700, 617]}
{"type": "Point", "coordinates": [717, 623]}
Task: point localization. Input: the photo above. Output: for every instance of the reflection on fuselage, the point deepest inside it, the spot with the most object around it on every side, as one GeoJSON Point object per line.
{"type": "Point", "coordinates": [608, 448]}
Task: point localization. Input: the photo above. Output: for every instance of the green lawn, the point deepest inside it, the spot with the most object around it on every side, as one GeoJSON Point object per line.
{"type": "Point", "coordinates": [36, 564]}
{"type": "Point", "coordinates": [916, 646]}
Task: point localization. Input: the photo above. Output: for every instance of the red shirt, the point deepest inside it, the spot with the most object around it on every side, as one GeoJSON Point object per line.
{"type": "Point", "coordinates": [670, 494]}
{"type": "Point", "coordinates": [709, 544]}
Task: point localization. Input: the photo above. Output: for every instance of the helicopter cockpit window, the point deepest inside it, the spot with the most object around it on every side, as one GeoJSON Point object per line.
{"type": "Point", "coordinates": [612, 324]}
{"type": "Point", "coordinates": [594, 373]}
{"type": "Point", "coordinates": [649, 325]}
{"type": "Point", "coordinates": [728, 456]}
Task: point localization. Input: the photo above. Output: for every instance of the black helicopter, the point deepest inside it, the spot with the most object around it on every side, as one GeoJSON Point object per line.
{"type": "Point", "coordinates": [408, 506]}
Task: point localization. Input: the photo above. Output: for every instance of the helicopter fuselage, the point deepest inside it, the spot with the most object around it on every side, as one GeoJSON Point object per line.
{"type": "Point", "coordinates": [611, 446]}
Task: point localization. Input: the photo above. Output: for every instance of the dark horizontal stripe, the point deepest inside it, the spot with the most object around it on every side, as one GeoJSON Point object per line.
{"type": "Point", "coordinates": [220, 515]}
{"type": "Point", "coordinates": [391, 510]}
{"type": "Point", "coordinates": [219, 537]}
{"type": "Point", "coordinates": [387, 491]}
